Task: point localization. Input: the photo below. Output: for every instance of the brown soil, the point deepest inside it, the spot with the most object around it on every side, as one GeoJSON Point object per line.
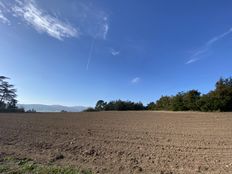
{"type": "Point", "coordinates": [122, 142]}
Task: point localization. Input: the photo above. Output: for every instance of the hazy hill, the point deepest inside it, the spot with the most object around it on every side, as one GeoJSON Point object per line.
{"type": "Point", "coordinates": [51, 108]}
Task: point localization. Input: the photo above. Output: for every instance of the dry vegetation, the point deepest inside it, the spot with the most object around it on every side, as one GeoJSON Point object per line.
{"type": "Point", "coordinates": [119, 142]}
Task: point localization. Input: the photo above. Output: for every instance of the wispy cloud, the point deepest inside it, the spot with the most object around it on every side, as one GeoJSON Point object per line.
{"type": "Point", "coordinates": [97, 30]}
{"type": "Point", "coordinates": [216, 38]}
{"type": "Point", "coordinates": [90, 54]}
{"type": "Point", "coordinates": [92, 19]}
{"type": "Point", "coordinates": [3, 18]}
{"type": "Point", "coordinates": [198, 54]}
{"type": "Point", "coordinates": [192, 60]}
{"type": "Point", "coordinates": [105, 30]}
{"type": "Point", "coordinates": [114, 52]}
{"type": "Point", "coordinates": [135, 80]}
{"type": "Point", "coordinates": [42, 21]}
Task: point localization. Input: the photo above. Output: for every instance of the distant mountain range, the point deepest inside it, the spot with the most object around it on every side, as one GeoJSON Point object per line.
{"type": "Point", "coordinates": [51, 108]}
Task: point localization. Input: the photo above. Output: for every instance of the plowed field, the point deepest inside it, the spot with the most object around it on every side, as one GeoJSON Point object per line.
{"type": "Point", "coordinates": [122, 142]}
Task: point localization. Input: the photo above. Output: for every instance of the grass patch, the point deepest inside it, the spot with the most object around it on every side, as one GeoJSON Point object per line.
{"type": "Point", "coordinates": [10, 165]}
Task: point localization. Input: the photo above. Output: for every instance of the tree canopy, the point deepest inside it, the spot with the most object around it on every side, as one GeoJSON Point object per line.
{"type": "Point", "coordinates": [8, 101]}
{"type": "Point", "coordinates": [219, 99]}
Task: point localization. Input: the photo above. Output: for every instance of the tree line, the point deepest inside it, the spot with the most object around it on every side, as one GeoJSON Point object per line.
{"type": "Point", "coordinates": [117, 105]}
{"type": "Point", "coordinates": [8, 102]}
{"type": "Point", "coordinates": [219, 99]}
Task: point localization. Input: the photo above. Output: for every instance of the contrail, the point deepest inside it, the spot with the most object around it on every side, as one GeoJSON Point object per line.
{"type": "Point", "coordinates": [200, 52]}
{"type": "Point", "coordinates": [215, 39]}
{"type": "Point", "coordinates": [90, 53]}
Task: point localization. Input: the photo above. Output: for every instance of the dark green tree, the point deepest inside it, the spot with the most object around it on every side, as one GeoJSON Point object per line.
{"type": "Point", "coordinates": [119, 105]}
{"type": "Point", "coordinates": [90, 109]}
{"type": "Point", "coordinates": [164, 103]}
{"type": "Point", "coordinates": [100, 105]}
{"type": "Point", "coordinates": [191, 99]}
{"type": "Point", "coordinates": [208, 102]}
{"type": "Point", "coordinates": [151, 106]}
{"type": "Point", "coordinates": [8, 92]}
{"type": "Point", "coordinates": [219, 99]}
{"type": "Point", "coordinates": [178, 102]}
{"type": "Point", "coordinates": [223, 93]}
{"type": "Point", "coordinates": [2, 104]}
{"type": "Point", "coordinates": [8, 102]}
{"type": "Point", "coordinates": [2, 78]}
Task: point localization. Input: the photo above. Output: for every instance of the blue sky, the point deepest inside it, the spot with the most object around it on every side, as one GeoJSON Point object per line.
{"type": "Point", "coordinates": [75, 52]}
